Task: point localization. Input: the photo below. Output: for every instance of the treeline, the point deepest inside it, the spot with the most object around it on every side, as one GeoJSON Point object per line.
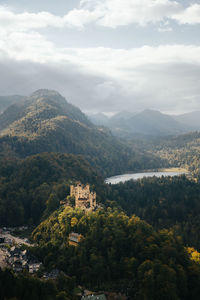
{"type": "Point", "coordinates": [32, 188]}
{"type": "Point", "coordinates": [119, 253]}
{"type": "Point", "coordinates": [26, 287]}
{"type": "Point", "coordinates": [182, 150]}
{"type": "Point", "coordinates": [104, 152]}
{"type": "Point", "coordinates": [166, 202]}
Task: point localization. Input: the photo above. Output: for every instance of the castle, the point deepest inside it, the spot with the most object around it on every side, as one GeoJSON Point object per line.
{"type": "Point", "coordinates": [84, 199]}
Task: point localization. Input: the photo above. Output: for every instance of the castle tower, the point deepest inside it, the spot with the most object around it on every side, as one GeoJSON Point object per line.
{"type": "Point", "coordinates": [83, 197]}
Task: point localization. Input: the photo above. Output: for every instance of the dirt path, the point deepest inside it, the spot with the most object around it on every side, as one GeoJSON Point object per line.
{"type": "Point", "coordinates": [15, 240]}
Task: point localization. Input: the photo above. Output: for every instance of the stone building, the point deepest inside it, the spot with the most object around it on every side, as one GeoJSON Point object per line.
{"type": "Point", "coordinates": [84, 199]}
{"type": "Point", "coordinates": [74, 238]}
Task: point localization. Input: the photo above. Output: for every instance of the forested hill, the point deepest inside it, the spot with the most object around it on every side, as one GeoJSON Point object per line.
{"type": "Point", "coordinates": [46, 122]}
{"type": "Point", "coordinates": [26, 117]}
{"type": "Point", "coordinates": [34, 187]}
{"type": "Point", "coordinates": [182, 150]}
{"type": "Point", "coordinates": [119, 253]}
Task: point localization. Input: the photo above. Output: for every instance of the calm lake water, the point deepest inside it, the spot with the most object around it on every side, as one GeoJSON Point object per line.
{"type": "Point", "coordinates": [135, 176]}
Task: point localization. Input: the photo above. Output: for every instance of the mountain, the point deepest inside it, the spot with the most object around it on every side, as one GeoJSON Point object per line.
{"type": "Point", "coordinates": [46, 122]}
{"type": "Point", "coordinates": [121, 116]}
{"type": "Point", "coordinates": [26, 116]}
{"type": "Point", "coordinates": [6, 101]}
{"type": "Point", "coordinates": [99, 119]}
{"type": "Point", "coordinates": [191, 120]}
{"type": "Point", "coordinates": [147, 122]}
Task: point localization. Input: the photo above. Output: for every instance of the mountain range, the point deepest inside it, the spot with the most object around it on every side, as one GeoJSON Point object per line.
{"type": "Point", "coordinates": [148, 122]}
{"type": "Point", "coordinates": [46, 122]}
{"type": "Point", "coordinates": [123, 124]}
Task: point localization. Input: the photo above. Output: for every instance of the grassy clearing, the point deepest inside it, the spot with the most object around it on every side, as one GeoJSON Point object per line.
{"type": "Point", "coordinates": [183, 170]}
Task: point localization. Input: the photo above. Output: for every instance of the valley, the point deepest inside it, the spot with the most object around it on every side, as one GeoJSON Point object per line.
{"type": "Point", "coordinates": [129, 239]}
{"type": "Point", "coordinates": [99, 150]}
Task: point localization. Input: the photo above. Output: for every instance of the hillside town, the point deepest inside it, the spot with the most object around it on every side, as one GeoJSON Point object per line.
{"type": "Point", "coordinates": [12, 254]}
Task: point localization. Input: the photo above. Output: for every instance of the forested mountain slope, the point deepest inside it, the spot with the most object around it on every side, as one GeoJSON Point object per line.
{"type": "Point", "coordinates": [46, 122]}
{"type": "Point", "coordinates": [183, 150]}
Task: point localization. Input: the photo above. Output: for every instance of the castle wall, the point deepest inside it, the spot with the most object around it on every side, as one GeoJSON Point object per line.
{"type": "Point", "coordinates": [83, 197]}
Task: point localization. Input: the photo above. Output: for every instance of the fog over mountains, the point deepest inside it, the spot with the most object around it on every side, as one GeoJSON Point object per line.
{"type": "Point", "coordinates": [148, 122]}
{"type": "Point", "coordinates": [123, 124]}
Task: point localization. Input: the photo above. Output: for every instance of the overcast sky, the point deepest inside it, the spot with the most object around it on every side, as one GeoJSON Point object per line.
{"type": "Point", "coordinates": [104, 55]}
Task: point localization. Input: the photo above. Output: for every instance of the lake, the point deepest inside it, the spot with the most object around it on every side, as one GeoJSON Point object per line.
{"type": "Point", "coordinates": [125, 177]}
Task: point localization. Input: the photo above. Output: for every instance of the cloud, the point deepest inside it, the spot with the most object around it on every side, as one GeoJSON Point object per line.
{"type": "Point", "coordinates": [106, 79]}
{"type": "Point", "coordinates": [11, 21]}
{"type": "Point", "coordinates": [191, 15]}
{"type": "Point", "coordinates": [80, 17]}
{"type": "Point", "coordinates": [24, 46]}
{"type": "Point", "coordinates": [106, 13]}
{"type": "Point", "coordinates": [102, 79]}
{"type": "Point", "coordinates": [114, 13]}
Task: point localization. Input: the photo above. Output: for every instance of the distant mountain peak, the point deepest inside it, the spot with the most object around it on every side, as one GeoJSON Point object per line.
{"type": "Point", "coordinates": [45, 93]}
{"type": "Point", "coordinates": [49, 95]}
{"type": "Point", "coordinates": [151, 111]}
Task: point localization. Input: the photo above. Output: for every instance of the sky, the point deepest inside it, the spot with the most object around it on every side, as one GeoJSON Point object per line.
{"type": "Point", "coordinates": [104, 55]}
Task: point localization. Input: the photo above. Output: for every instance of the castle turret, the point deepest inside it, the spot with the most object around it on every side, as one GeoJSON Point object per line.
{"type": "Point", "coordinates": [83, 197]}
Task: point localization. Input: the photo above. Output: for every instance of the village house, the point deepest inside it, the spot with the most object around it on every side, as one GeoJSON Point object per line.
{"type": "Point", "coordinates": [74, 238]}
{"type": "Point", "coordinates": [94, 297]}
{"type": "Point", "coordinates": [19, 260]}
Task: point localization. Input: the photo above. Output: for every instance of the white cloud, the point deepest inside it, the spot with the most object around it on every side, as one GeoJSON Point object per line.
{"type": "Point", "coordinates": [191, 15]}
{"type": "Point", "coordinates": [10, 21]}
{"type": "Point", "coordinates": [114, 13]}
{"type": "Point", "coordinates": [79, 17]}
{"type": "Point", "coordinates": [27, 46]}
{"type": "Point", "coordinates": [107, 13]}
{"type": "Point", "coordinates": [164, 77]}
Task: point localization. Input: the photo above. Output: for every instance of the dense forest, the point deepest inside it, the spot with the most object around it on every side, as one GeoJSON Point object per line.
{"type": "Point", "coordinates": [163, 202]}
{"type": "Point", "coordinates": [120, 253]}
{"type": "Point", "coordinates": [33, 187]}
{"type": "Point", "coordinates": [24, 286]}
{"type": "Point", "coordinates": [182, 150]}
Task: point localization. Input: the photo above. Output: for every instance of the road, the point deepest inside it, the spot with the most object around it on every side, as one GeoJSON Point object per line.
{"type": "Point", "coordinates": [15, 240]}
